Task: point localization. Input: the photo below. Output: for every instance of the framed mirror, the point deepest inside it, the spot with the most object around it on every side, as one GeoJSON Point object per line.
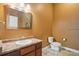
{"type": "Point", "coordinates": [26, 21]}
{"type": "Point", "coordinates": [18, 19]}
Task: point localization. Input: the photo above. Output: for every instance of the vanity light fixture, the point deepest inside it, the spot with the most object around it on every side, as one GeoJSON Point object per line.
{"type": "Point", "coordinates": [27, 9]}
{"type": "Point", "coordinates": [21, 7]}
{"type": "Point", "coordinates": [12, 5]}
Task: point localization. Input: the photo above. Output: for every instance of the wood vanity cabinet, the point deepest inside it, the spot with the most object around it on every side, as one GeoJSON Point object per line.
{"type": "Point", "coordinates": [31, 50]}
{"type": "Point", "coordinates": [13, 53]}
{"type": "Point", "coordinates": [38, 49]}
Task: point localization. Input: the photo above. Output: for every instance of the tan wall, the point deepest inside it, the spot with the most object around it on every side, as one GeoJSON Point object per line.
{"type": "Point", "coordinates": [2, 19]}
{"type": "Point", "coordinates": [41, 24]}
{"type": "Point", "coordinates": [66, 24]}
{"type": "Point", "coordinates": [42, 21]}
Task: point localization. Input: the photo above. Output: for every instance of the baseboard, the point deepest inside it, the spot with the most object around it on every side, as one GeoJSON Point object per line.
{"type": "Point", "coordinates": [70, 49]}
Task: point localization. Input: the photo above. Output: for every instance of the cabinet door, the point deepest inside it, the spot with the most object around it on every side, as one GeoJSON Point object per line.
{"type": "Point", "coordinates": [39, 49]}
{"type": "Point", "coordinates": [27, 50]}
{"type": "Point", "coordinates": [31, 54]}
{"type": "Point", "coordinates": [39, 52]}
{"type": "Point", "coordinates": [39, 45]}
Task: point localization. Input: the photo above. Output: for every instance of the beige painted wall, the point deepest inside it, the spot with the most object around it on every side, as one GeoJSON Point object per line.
{"type": "Point", "coordinates": [42, 21]}
{"type": "Point", "coordinates": [2, 19]}
{"type": "Point", "coordinates": [66, 24]}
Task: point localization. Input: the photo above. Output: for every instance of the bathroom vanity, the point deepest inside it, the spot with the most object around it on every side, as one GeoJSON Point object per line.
{"type": "Point", "coordinates": [18, 48]}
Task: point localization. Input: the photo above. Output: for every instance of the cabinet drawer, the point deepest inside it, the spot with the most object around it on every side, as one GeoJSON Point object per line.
{"type": "Point", "coordinates": [39, 52]}
{"type": "Point", "coordinates": [14, 53]}
{"type": "Point", "coordinates": [39, 45]}
{"type": "Point", "coordinates": [27, 50]}
{"type": "Point", "coordinates": [31, 54]}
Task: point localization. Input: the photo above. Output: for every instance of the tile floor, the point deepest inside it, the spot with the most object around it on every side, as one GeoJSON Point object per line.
{"type": "Point", "coordinates": [47, 51]}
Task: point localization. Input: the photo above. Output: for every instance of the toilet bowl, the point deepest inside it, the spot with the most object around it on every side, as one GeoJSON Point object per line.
{"type": "Point", "coordinates": [54, 45]}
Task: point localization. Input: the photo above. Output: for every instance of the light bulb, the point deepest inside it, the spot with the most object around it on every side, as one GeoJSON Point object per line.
{"type": "Point", "coordinates": [21, 4]}
{"type": "Point", "coordinates": [12, 5]}
{"type": "Point", "coordinates": [27, 8]}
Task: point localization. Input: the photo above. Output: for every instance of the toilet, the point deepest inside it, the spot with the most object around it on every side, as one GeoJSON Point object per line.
{"type": "Point", "coordinates": [56, 46]}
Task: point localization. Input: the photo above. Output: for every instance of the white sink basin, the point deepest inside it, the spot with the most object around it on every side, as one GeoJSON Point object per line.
{"type": "Point", "coordinates": [23, 42]}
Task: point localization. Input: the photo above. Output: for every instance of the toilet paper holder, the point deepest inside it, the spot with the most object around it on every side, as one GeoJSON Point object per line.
{"type": "Point", "coordinates": [64, 39]}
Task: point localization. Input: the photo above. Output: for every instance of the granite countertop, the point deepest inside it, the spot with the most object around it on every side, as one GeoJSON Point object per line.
{"type": "Point", "coordinates": [11, 46]}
